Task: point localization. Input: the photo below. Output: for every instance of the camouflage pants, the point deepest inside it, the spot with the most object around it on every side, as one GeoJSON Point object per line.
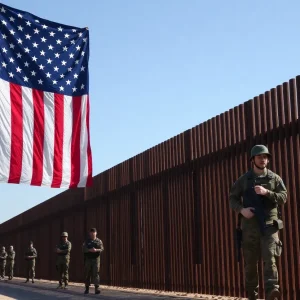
{"type": "Point", "coordinates": [10, 268]}
{"type": "Point", "coordinates": [256, 245]}
{"type": "Point", "coordinates": [30, 269]}
{"type": "Point", "coordinates": [2, 269]}
{"type": "Point", "coordinates": [63, 271]}
{"type": "Point", "coordinates": [91, 272]}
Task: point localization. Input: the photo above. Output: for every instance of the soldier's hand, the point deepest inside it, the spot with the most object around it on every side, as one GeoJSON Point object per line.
{"type": "Point", "coordinates": [247, 212]}
{"type": "Point", "coordinates": [92, 250]}
{"type": "Point", "coordinates": [260, 190]}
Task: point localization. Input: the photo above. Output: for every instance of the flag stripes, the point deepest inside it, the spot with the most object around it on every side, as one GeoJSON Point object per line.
{"type": "Point", "coordinates": [44, 138]}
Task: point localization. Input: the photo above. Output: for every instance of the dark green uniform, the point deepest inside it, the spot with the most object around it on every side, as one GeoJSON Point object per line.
{"type": "Point", "coordinates": [10, 263]}
{"type": "Point", "coordinates": [63, 262]}
{"type": "Point", "coordinates": [30, 257]}
{"type": "Point", "coordinates": [3, 256]}
{"type": "Point", "coordinates": [92, 261]}
{"type": "Point", "coordinates": [254, 242]}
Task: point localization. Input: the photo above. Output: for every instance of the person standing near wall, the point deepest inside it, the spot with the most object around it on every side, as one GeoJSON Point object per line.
{"type": "Point", "coordinates": [63, 250]}
{"type": "Point", "coordinates": [265, 191]}
{"type": "Point", "coordinates": [3, 257]}
{"type": "Point", "coordinates": [92, 248]}
{"type": "Point", "coordinates": [30, 257]}
{"type": "Point", "coordinates": [11, 262]}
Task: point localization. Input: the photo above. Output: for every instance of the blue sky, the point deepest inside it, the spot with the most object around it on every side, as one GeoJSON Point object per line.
{"type": "Point", "coordinates": [159, 67]}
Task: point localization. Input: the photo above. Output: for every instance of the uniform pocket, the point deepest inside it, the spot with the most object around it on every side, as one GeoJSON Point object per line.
{"type": "Point", "coordinates": [278, 248]}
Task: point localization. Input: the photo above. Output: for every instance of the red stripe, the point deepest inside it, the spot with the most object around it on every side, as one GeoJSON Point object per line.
{"type": "Point", "coordinates": [89, 181]}
{"type": "Point", "coordinates": [38, 137]}
{"type": "Point", "coordinates": [58, 140]}
{"type": "Point", "coordinates": [16, 133]}
{"type": "Point", "coordinates": [75, 147]}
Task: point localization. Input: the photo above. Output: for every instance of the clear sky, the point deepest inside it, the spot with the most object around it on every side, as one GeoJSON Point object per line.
{"type": "Point", "coordinates": [159, 67]}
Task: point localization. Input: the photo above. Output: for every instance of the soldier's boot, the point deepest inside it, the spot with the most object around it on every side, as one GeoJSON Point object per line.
{"type": "Point", "coordinates": [252, 296]}
{"type": "Point", "coordinates": [59, 286]}
{"type": "Point", "coordinates": [97, 290]}
{"type": "Point", "coordinates": [32, 280]}
{"type": "Point", "coordinates": [26, 280]}
{"type": "Point", "coordinates": [66, 286]}
{"type": "Point", "coordinates": [87, 290]}
{"type": "Point", "coordinates": [274, 295]}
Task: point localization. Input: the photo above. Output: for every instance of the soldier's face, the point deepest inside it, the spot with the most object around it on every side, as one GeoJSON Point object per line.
{"type": "Point", "coordinates": [261, 160]}
{"type": "Point", "coordinates": [93, 235]}
{"type": "Point", "coordinates": [64, 238]}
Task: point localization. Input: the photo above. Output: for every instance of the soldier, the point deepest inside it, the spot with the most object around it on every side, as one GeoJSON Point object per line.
{"type": "Point", "coordinates": [30, 257]}
{"type": "Point", "coordinates": [3, 256]}
{"type": "Point", "coordinates": [272, 192]}
{"type": "Point", "coordinates": [63, 250]}
{"type": "Point", "coordinates": [92, 248]}
{"type": "Point", "coordinates": [11, 262]}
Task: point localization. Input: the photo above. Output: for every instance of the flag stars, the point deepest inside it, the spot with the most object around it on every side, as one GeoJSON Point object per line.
{"type": "Point", "coordinates": [82, 86]}
{"type": "Point", "coordinates": [68, 82]}
{"type": "Point", "coordinates": [28, 37]}
{"type": "Point", "coordinates": [19, 55]}
{"type": "Point", "coordinates": [33, 73]}
{"type": "Point", "coordinates": [40, 81]}
{"type": "Point", "coordinates": [56, 69]}
{"type": "Point", "coordinates": [36, 31]}
{"type": "Point", "coordinates": [18, 69]}
{"type": "Point", "coordinates": [20, 16]}
{"type": "Point", "coordinates": [50, 47]}
{"type": "Point", "coordinates": [82, 69]}
{"type": "Point", "coordinates": [71, 55]}
{"type": "Point", "coordinates": [4, 50]}
{"type": "Point", "coordinates": [12, 32]}
{"type": "Point", "coordinates": [48, 75]}
{"type": "Point", "coordinates": [58, 42]}
{"type": "Point", "coordinates": [61, 88]}
{"type": "Point", "coordinates": [57, 55]}
{"type": "Point", "coordinates": [74, 89]}
{"type": "Point", "coordinates": [25, 79]}
{"type": "Point", "coordinates": [44, 26]}
{"type": "Point", "coordinates": [3, 9]}
{"type": "Point", "coordinates": [28, 23]}
{"type": "Point", "coordinates": [42, 53]}
{"type": "Point", "coordinates": [4, 22]}
{"type": "Point", "coordinates": [70, 69]}
{"type": "Point", "coordinates": [52, 33]}
{"type": "Point", "coordinates": [20, 28]}
{"type": "Point", "coordinates": [80, 34]}
{"type": "Point", "coordinates": [20, 41]}
{"type": "Point", "coordinates": [37, 21]}
{"type": "Point", "coordinates": [26, 64]}
{"type": "Point", "coordinates": [82, 53]}
{"type": "Point", "coordinates": [12, 19]}
{"type": "Point", "coordinates": [43, 40]}
{"type": "Point", "coordinates": [75, 76]}
{"type": "Point", "coordinates": [63, 63]}
{"type": "Point", "coordinates": [27, 50]}
{"type": "Point", "coordinates": [11, 46]}
{"type": "Point", "coordinates": [67, 35]}
{"type": "Point", "coordinates": [77, 62]}
{"type": "Point", "coordinates": [4, 36]}
{"type": "Point", "coordinates": [49, 60]}
{"type": "Point", "coordinates": [60, 29]}
{"type": "Point", "coordinates": [54, 81]}
{"type": "Point", "coordinates": [41, 67]}
{"type": "Point", "coordinates": [35, 45]}
{"type": "Point", "coordinates": [4, 65]}
{"type": "Point", "coordinates": [34, 58]}
{"type": "Point", "coordinates": [11, 60]}
{"type": "Point", "coordinates": [74, 30]}
{"type": "Point", "coordinates": [73, 42]}
{"type": "Point", "coordinates": [62, 76]}
{"type": "Point", "coordinates": [11, 75]}
{"type": "Point", "coordinates": [78, 48]}
{"type": "Point", "coordinates": [65, 48]}
{"type": "Point", "coordinates": [85, 39]}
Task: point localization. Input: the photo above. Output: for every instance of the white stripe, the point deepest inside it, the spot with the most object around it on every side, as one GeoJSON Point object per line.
{"type": "Point", "coordinates": [48, 154]}
{"type": "Point", "coordinates": [67, 141]}
{"type": "Point", "coordinates": [28, 126]}
{"type": "Point", "coordinates": [83, 144]}
{"type": "Point", "coordinates": [5, 130]}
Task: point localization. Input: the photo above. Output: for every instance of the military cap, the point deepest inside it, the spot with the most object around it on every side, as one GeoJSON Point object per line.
{"type": "Point", "coordinates": [93, 230]}
{"type": "Point", "coordinates": [259, 150]}
{"type": "Point", "coordinates": [64, 234]}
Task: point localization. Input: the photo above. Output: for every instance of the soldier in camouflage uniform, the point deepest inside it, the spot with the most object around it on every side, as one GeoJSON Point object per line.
{"type": "Point", "coordinates": [10, 262]}
{"type": "Point", "coordinates": [3, 256]}
{"type": "Point", "coordinates": [92, 248]}
{"type": "Point", "coordinates": [30, 257]}
{"type": "Point", "coordinates": [273, 193]}
{"type": "Point", "coordinates": [63, 250]}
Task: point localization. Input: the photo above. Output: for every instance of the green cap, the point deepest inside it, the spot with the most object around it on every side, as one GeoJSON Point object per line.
{"type": "Point", "coordinates": [64, 234]}
{"type": "Point", "coordinates": [259, 150]}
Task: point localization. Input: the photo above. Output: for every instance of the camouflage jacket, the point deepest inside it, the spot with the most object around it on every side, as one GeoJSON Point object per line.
{"type": "Point", "coordinates": [89, 244]}
{"type": "Point", "coordinates": [30, 252]}
{"type": "Point", "coordinates": [11, 255]}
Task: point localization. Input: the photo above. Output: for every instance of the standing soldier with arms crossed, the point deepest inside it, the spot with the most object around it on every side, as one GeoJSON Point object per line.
{"type": "Point", "coordinates": [3, 256]}
{"type": "Point", "coordinates": [63, 250]}
{"type": "Point", "coordinates": [30, 257]}
{"type": "Point", "coordinates": [11, 262]}
{"type": "Point", "coordinates": [266, 191]}
{"type": "Point", "coordinates": [92, 248]}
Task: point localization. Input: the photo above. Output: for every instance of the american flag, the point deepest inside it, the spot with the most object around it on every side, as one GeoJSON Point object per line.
{"type": "Point", "coordinates": [44, 102]}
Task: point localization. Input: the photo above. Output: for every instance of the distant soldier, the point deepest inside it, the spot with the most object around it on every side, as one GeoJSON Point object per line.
{"type": "Point", "coordinates": [3, 257]}
{"type": "Point", "coordinates": [63, 250]}
{"type": "Point", "coordinates": [92, 248]}
{"type": "Point", "coordinates": [11, 262]}
{"type": "Point", "coordinates": [30, 257]}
